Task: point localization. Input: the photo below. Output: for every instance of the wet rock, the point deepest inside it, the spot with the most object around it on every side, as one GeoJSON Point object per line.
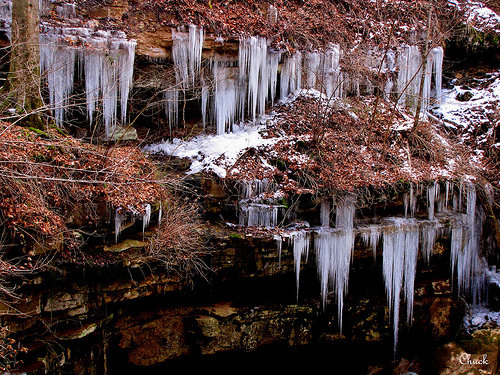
{"type": "Point", "coordinates": [124, 134]}
{"type": "Point", "coordinates": [72, 303]}
{"type": "Point", "coordinates": [441, 287]}
{"type": "Point", "coordinates": [476, 354]}
{"type": "Point", "coordinates": [125, 245]}
{"type": "Point", "coordinates": [464, 96]}
{"type": "Point", "coordinates": [149, 339]}
{"type": "Point", "coordinates": [440, 318]}
{"type": "Point", "coordinates": [78, 333]}
{"type": "Point", "coordinates": [208, 326]}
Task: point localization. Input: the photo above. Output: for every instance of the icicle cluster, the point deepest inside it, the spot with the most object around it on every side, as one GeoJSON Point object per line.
{"type": "Point", "coordinates": [301, 241]}
{"type": "Point", "coordinates": [333, 249]}
{"type": "Point", "coordinates": [251, 188]}
{"type": "Point", "coordinates": [323, 72]}
{"type": "Point", "coordinates": [465, 250]}
{"type": "Point", "coordinates": [401, 240]}
{"type": "Point", "coordinates": [410, 63]}
{"type": "Point", "coordinates": [108, 65]}
{"type": "Point", "coordinates": [259, 214]}
{"type": "Point", "coordinates": [400, 253]}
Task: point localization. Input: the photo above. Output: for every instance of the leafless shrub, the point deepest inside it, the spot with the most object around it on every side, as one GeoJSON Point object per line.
{"type": "Point", "coordinates": [178, 243]}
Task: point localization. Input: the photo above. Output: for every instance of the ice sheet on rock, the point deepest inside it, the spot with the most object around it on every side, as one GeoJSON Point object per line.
{"type": "Point", "coordinates": [481, 317]}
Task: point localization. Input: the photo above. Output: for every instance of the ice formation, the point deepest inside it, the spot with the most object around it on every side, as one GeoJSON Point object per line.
{"type": "Point", "coordinates": [371, 236]}
{"type": "Point", "coordinates": [400, 252]}
{"type": "Point", "coordinates": [251, 188]}
{"type": "Point", "coordinates": [291, 75]}
{"type": "Point", "coordinates": [333, 249]}
{"type": "Point", "coordinates": [186, 54]}
{"type": "Point", "coordinates": [225, 97]}
{"type": "Point", "coordinates": [259, 214]}
{"type": "Point", "coordinates": [146, 218]}
{"type": "Point", "coordinates": [108, 65]}
{"type": "Point", "coordinates": [119, 220]}
{"type": "Point", "coordinates": [325, 213]}
{"type": "Point", "coordinates": [432, 195]}
{"type": "Point", "coordinates": [465, 250]}
{"type": "Point", "coordinates": [410, 64]}
{"type": "Point", "coordinates": [300, 241]}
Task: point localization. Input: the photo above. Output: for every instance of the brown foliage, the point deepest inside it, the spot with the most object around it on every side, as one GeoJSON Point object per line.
{"type": "Point", "coordinates": [44, 175]}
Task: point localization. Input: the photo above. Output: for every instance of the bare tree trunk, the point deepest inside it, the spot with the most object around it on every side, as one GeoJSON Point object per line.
{"type": "Point", "coordinates": [24, 72]}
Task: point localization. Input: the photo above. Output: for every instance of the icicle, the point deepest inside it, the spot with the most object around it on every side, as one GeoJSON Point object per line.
{"type": "Point", "coordinates": [400, 250]}
{"type": "Point", "coordinates": [279, 246]}
{"type": "Point", "coordinates": [125, 68]}
{"type": "Point", "coordinates": [258, 214]}
{"type": "Point", "coordinates": [180, 50]}
{"type": "Point", "coordinates": [312, 62]}
{"type": "Point", "coordinates": [252, 188]}
{"type": "Point", "coordinates": [371, 237]}
{"type": "Point", "coordinates": [205, 93]}
{"type": "Point", "coordinates": [93, 61]}
{"type": "Point", "coordinates": [432, 194]}
{"type": "Point", "coordinates": [273, 64]}
{"type": "Point", "coordinates": [119, 219]}
{"type": "Point", "coordinates": [334, 253]}
{"type": "Point", "coordinates": [411, 256]}
{"type": "Point", "coordinates": [225, 97]}
{"type": "Point", "coordinates": [291, 75]}
{"type": "Point", "coordinates": [59, 63]}
{"type": "Point", "coordinates": [465, 250]}
{"type": "Point", "coordinates": [325, 213]}
{"type": "Point", "coordinates": [447, 193]}
{"type": "Point", "coordinates": [172, 106]}
{"type": "Point", "coordinates": [108, 61]}
{"type": "Point", "coordinates": [300, 240]}
{"type": "Point", "coordinates": [429, 234]}
{"type": "Point", "coordinates": [437, 58]}
{"type": "Point", "coordinates": [67, 11]}
{"type": "Point", "coordinates": [488, 191]}
{"type": "Point", "coordinates": [254, 66]}
{"type": "Point", "coordinates": [146, 218]}
{"type": "Point", "coordinates": [331, 80]}
{"type": "Point", "coordinates": [195, 50]}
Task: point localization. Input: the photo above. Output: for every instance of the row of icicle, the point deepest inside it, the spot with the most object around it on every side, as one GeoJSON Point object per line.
{"type": "Point", "coordinates": [231, 92]}
{"type": "Point", "coordinates": [401, 238]}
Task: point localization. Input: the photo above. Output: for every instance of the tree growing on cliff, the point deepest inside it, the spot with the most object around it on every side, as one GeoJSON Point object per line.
{"type": "Point", "coordinates": [23, 90]}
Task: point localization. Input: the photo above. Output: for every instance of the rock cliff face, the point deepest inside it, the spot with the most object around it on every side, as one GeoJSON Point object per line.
{"type": "Point", "coordinates": [272, 285]}
{"type": "Point", "coordinates": [110, 319]}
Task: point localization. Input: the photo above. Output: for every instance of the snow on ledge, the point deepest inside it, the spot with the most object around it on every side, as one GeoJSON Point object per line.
{"type": "Point", "coordinates": [216, 153]}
